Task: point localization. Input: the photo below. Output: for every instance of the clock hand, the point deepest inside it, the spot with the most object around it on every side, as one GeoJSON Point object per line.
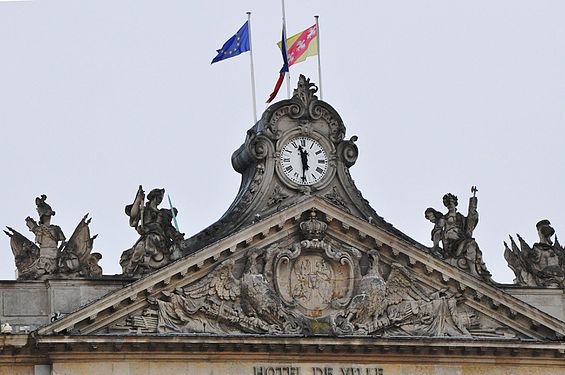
{"type": "Point", "coordinates": [304, 160]}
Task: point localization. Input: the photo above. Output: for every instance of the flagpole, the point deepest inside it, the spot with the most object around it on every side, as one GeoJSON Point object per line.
{"type": "Point", "coordinates": [173, 213]}
{"type": "Point", "coordinates": [319, 63]}
{"type": "Point", "coordinates": [284, 45]}
{"type": "Point", "coordinates": [252, 70]}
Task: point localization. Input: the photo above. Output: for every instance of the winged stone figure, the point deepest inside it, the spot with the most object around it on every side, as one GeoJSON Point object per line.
{"type": "Point", "coordinates": [226, 301]}
{"type": "Point", "coordinates": [76, 257]}
{"type": "Point", "coordinates": [187, 309]}
{"type": "Point", "coordinates": [543, 264]}
{"type": "Point", "coordinates": [25, 251]}
{"type": "Point", "coordinates": [399, 306]}
{"type": "Point", "coordinates": [51, 255]}
{"type": "Point", "coordinates": [367, 305]}
{"type": "Point", "coordinates": [259, 299]}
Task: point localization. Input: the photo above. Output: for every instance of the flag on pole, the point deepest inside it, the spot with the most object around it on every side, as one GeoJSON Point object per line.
{"type": "Point", "coordinates": [283, 70]}
{"type": "Point", "coordinates": [302, 45]}
{"type": "Point", "coordinates": [235, 45]}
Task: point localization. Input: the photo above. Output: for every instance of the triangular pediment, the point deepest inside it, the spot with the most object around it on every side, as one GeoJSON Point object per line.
{"type": "Point", "coordinates": [312, 269]}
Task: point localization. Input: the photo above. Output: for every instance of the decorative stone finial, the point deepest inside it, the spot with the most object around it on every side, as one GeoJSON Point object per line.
{"type": "Point", "coordinates": [541, 265]}
{"type": "Point", "coordinates": [52, 255]}
{"type": "Point", "coordinates": [313, 228]}
{"type": "Point", "coordinates": [305, 90]}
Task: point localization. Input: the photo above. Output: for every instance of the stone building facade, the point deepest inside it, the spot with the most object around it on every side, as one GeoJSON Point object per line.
{"type": "Point", "coordinates": [300, 276]}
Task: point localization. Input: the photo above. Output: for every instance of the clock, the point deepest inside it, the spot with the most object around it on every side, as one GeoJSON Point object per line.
{"type": "Point", "coordinates": [304, 161]}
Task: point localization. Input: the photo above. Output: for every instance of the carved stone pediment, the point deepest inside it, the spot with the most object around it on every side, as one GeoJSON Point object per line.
{"type": "Point", "coordinates": [308, 272]}
{"type": "Point", "coordinates": [309, 287]}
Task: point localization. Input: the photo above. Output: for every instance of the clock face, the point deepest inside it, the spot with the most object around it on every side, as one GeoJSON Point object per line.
{"type": "Point", "coordinates": [304, 161]}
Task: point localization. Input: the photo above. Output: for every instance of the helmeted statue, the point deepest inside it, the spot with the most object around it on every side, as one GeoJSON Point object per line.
{"type": "Point", "coordinates": [455, 233]}
{"type": "Point", "coordinates": [51, 254]}
{"type": "Point", "coordinates": [541, 265]}
{"type": "Point", "coordinates": [159, 241]}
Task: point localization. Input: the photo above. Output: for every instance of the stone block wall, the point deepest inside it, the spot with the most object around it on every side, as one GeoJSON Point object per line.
{"type": "Point", "coordinates": [31, 304]}
{"type": "Point", "coordinates": [548, 300]}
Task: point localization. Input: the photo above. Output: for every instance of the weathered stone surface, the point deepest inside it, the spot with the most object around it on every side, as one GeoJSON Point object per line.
{"type": "Point", "coordinates": [54, 257]}
{"type": "Point", "coordinates": [28, 305]}
{"type": "Point", "coordinates": [543, 264]}
{"type": "Point", "coordinates": [66, 299]}
{"type": "Point", "coordinates": [455, 232]}
{"type": "Point", "coordinates": [297, 368]}
{"type": "Point", "coordinates": [14, 369]}
{"type": "Point", "coordinates": [312, 285]}
{"type": "Point", "coordinates": [549, 300]}
{"type": "Point", "coordinates": [159, 241]}
{"type": "Point", "coordinates": [17, 302]}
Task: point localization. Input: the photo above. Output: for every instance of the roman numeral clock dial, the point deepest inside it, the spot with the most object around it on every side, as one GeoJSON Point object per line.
{"type": "Point", "coordinates": [304, 161]}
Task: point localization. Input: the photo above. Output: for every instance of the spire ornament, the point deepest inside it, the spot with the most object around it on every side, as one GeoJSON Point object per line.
{"type": "Point", "coordinates": [305, 91]}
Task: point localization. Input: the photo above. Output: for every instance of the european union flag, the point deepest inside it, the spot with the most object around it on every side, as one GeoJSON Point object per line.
{"type": "Point", "coordinates": [235, 45]}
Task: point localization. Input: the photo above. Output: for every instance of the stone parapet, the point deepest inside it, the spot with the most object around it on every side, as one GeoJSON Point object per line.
{"type": "Point", "coordinates": [25, 306]}
{"type": "Point", "coordinates": [548, 300]}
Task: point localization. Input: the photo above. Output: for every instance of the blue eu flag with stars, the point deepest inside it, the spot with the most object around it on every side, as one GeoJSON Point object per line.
{"type": "Point", "coordinates": [235, 45]}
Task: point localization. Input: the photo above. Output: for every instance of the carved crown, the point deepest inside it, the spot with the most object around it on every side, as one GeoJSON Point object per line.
{"type": "Point", "coordinates": [313, 228]}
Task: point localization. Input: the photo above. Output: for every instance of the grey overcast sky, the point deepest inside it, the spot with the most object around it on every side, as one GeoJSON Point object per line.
{"type": "Point", "coordinates": [97, 97]}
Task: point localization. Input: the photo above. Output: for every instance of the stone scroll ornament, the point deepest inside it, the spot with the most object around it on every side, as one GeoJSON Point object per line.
{"type": "Point", "coordinates": [51, 255]}
{"type": "Point", "coordinates": [452, 236]}
{"type": "Point", "coordinates": [314, 286]}
{"type": "Point", "coordinates": [159, 241]}
{"type": "Point", "coordinates": [543, 264]}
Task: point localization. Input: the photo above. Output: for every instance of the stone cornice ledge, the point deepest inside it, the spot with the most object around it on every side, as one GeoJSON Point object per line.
{"type": "Point", "coordinates": [358, 349]}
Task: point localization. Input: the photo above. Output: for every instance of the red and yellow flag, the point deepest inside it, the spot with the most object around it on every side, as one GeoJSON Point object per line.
{"type": "Point", "coordinates": [302, 45]}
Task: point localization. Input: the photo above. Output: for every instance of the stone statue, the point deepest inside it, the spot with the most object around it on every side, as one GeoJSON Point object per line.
{"type": "Point", "coordinates": [455, 232]}
{"type": "Point", "coordinates": [54, 255]}
{"type": "Point", "coordinates": [541, 265]}
{"type": "Point", "coordinates": [222, 302]}
{"type": "Point", "coordinates": [159, 241]}
{"type": "Point", "coordinates": [398, 306]}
